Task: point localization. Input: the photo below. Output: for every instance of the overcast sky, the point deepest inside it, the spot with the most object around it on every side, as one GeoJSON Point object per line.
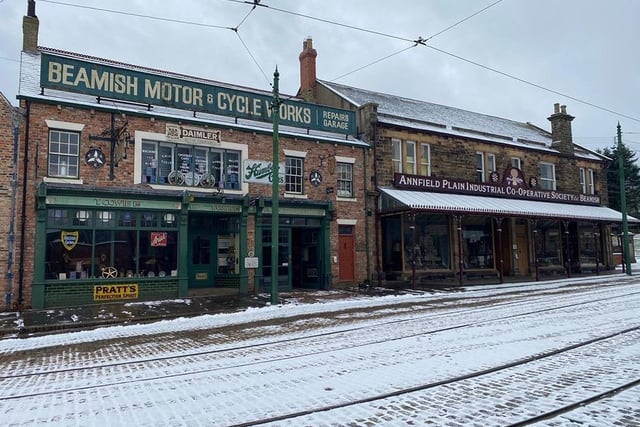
{"type": "Point", "coordinates": [582, 53]}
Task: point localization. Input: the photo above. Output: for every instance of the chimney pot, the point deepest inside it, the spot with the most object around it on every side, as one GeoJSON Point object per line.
{"type": "Point", "coordinates": [556, 108]}
{"type": "Point", "coordinates": [563, 109]}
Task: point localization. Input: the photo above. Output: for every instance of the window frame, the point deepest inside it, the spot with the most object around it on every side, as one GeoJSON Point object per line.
{"type": "Point", "coordinates": [544, 179]}
{"type": "Point", "coordinates": [294, 182]}
{"type": "Point", "coordinates": [591, 183]}
{"type": "Point", "coordinates": [410, 157]}
{"type": "Point", "coordinates": [61, 168]}
{"type": "Point", "coordinates": [425, 165]}
{"type": "Point", "coordinates": [480, 166]}
{"type": "Point", "coordinates": [516, 162]}
{"type": "Point", "coordinates": [341, 179]}
{"type": "Point", "coordinates": [583, 181]}
{"type": "Point", "coordinates": [396, 155]}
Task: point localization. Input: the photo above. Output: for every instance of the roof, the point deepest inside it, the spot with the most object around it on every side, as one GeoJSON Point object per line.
{"type": "Point", "coordinates": [393, 200]}
{"type": "Point", "coordinates": [427, 116]}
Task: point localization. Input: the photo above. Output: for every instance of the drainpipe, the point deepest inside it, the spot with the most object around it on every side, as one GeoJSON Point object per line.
{"type": "Point", "coordinates": [23, 217]}
{"type": "Point", "coordinates": [366, 214]}
{"type": "Point", "coordinates": [16, 120]}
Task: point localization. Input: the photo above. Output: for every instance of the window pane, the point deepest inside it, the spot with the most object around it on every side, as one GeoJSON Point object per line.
{"type": "Point", "coordinates": [63, 154]}
{"type": "Point", "coordinates": [345, 180]}
{"type": "Point", "coordinates": [293, 175]}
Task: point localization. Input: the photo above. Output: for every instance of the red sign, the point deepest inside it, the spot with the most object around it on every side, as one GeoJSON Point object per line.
{"type": "Point", "coordinates": [158, 238]}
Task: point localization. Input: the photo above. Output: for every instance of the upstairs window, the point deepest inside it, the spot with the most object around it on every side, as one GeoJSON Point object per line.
{"type": "Point", "coordinates": [294, 172]}
{"type": "Point", "coordinates": [190, 166]}
{"type": "Point", "coordinates": [410, 158]}
{"type": "Point", "coordinates": [64, 148]}
{"type": "Point", "coordinates": [516, 163]}
{"type": "Point", "coordinates": [583, 181]}
{"type": "Point", "coordinates": [591, 182]}
{"type": "Point", "coordinates": [480, 172]}
{"type": "Point", "coordinates": [396, 155]}
{"type": "Point", "coordinates": [547, 176]}
{"type": "Point", "coordinates": [425, 159]}
{"type": "Point", "coordinates": [345, 179]}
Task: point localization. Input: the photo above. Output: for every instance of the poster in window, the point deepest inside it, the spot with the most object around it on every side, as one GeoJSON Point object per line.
{"type": "Point", "coordinates": [158, 239]}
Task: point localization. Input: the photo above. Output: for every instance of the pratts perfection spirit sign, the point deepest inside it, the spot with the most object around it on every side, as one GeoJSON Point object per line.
{"type": "Point", "coordinates": [99, 79]}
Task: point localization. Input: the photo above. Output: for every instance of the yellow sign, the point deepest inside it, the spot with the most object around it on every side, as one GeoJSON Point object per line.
{"type": "Point", "coordinates": [69, 239]}
{"type": "Point", "coordinates": [113, 292]}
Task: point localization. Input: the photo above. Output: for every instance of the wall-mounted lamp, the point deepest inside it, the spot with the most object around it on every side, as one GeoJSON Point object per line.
{"type": "Point", "coordinates": [169, 218]}
{"type": "Point", "coordinates": [83, 216]}
{"type": "Point", "coordinates": [105, 216]}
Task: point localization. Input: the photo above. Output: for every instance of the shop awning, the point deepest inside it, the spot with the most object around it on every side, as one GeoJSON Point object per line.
{"type": "Point", "coordinates": [398, 200]}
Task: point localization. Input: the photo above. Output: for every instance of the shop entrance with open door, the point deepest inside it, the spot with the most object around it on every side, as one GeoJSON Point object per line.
{"type": "Point", "coordinates": [299, 258]}
{"type": "Point", "coordinates": [212, 252]}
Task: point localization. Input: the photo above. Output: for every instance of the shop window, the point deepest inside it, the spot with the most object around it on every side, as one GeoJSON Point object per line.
{"type": "Point", "coordinates": [64, 148]}
{"type": "Point", "coordinates": [548, 245]}
{"type": "Point", "coordinates": [84, 243]}
{"type": "Point", "coordinates": [294, 170]}
{"type": "Point", "coordinates": [190, 166]}
{"type": "Point", "coordinates": [477, 243]}
{"type": "Point", "coordinates": [429, 246]}
{"type": "Point", "coordinates": [227, 253]}
{"type": "Point", "coordinates": [589, 248]}
{"type": "Point", "coordinates": [547, 176]}
{"type": "Point", "coordinates": [345, 179]}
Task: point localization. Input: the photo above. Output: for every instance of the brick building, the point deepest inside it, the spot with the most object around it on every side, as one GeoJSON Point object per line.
{"type": "Point", "coordinates": [463, 195]}
{"type": "Point", "coordinates": [9, 121]}
{"type": "Point", "coordinates": [144, 184]}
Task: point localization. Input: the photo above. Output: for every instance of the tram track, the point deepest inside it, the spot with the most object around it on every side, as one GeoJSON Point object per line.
{"type": "Point", "coordinates": [452, 381]}
{"type": "Point", "coordinates": [182, 361]}
{"type": "Point", "coordinates": [368, 327]}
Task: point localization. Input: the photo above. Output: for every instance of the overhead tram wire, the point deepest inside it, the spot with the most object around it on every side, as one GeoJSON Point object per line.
{"type": "Point", "coordinates": [374, 62]}
{"type": "Point", "coordinates": [420, 41]}
{"type": "Point", "coordinates": [253, 58]}
{"type": "Point", "coordinates": [138, 15]}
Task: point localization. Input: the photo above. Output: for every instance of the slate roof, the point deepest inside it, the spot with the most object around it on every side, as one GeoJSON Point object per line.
{"type": "Point", "coordinates": [427, 116]}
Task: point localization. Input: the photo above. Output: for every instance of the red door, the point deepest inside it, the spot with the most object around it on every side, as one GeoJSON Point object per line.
{"type": "Point", "coordinates": [346, 258]}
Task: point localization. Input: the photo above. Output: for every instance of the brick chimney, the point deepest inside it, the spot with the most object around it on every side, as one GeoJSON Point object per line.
{"type": "Point", "coordinates": [30, 26]}
{"type": "Point", "coordinates": [308, 71]}
{"type": "Point", "coordinates": [562, 140]}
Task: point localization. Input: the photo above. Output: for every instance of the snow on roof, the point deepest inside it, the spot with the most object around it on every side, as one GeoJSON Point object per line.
{"type": "Point", "coordinates": [427, 116]}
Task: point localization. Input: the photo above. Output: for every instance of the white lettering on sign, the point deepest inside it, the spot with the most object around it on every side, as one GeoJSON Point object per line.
{"type": "Point", "coordinates": [67, 75]}
{"type": "Point", "coordinates": [173, 92]}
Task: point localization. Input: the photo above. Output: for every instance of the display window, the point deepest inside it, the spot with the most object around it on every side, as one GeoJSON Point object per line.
{"type": "Point", "coordinates": [86, 244]}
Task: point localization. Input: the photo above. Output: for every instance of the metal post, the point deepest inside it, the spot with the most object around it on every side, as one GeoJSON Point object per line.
{"type": "Point", "coordinates": [567, 251]}
{"type": "Point", "coordinates": [412, 228]}
{"type": "Point", "coordinates": [499, 249]}
{"type": "Point", "coordinates": [275, 166]}
{"type": "Point", "coordinates": [623, 206]}
{"type": "Point", "coordinates": [596, 234]}
{"type": "Point", "coordinates": [460, 261]}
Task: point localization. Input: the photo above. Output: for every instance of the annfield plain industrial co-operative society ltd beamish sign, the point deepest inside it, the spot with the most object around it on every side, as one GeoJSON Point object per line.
{"type": "Point", "coordinates": [90, 78]}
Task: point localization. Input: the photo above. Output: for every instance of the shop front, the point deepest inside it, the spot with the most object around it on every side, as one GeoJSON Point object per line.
{"type": "Point", "coordinates": [432, 236]}
{"type": "Point", "coordinates": [118, 244]}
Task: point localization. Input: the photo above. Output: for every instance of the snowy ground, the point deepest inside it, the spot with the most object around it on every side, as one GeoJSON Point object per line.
{"type": "Point", "coordinates": [445, 359]}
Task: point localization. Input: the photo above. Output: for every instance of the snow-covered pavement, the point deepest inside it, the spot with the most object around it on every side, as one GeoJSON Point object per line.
{"type": "Point", "coordinates": [494, 355]}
